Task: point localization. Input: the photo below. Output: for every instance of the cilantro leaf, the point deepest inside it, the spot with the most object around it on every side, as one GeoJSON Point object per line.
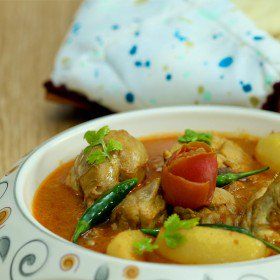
{"type": "Point", "coordinates": [87, 149]}
{"type": "Point", "coordinates": [188, 224]}
{"type": "Point", "coordinates": [96, 138]}
{"type": "Point", "coordinates": [113, 145]}
{"type": "Point", "coordinates": [96, 157]}
{"type": "Point", "coordinates": [103, 131]}
{"type": "Point", "coordinates": [173, 239]}
{"type": "Point", "coordinates": [192, 136]}
{"type": "Point", "coordinates": [90, 136]}
{"type": "Point", "coordinates": [144, 245]}
{"type": "Point", "coordinates": [172, 225]}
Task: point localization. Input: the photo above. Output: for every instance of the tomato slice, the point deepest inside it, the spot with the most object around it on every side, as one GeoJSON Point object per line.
{"type": "Point", "coordinates": [189, 176]}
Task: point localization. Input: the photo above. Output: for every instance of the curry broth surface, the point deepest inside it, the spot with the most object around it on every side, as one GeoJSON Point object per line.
{"type": "Point", "coordinates": [55, 205]}
{"type": "Point", "coordinates": [58, 207]}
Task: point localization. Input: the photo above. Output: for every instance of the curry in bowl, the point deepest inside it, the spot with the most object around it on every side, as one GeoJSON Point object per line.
{"type": "Point", "coordinates": [191, 198]}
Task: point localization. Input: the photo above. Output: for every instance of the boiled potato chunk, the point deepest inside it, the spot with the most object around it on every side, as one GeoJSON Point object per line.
{"type": "Point", "coordinates": [268, 151]}
{"type": "Point", "coordinates": [122, 245]}
{"type": "Point", "coordinates": [205, 245]}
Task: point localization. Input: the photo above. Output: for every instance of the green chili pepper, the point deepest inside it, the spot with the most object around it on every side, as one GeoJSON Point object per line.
{"type": "Point", "coordinates": [225, 179]}
{"type": "Point", "coordinates": [150, 231]}
{"type": "Point", "coordinates": [244, 231]}
{"type": "Point", "coordinates": [101, 209]}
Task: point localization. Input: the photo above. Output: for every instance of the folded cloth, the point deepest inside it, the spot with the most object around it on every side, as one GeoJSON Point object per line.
{"type": "Point", "coordinates": [135, 54]}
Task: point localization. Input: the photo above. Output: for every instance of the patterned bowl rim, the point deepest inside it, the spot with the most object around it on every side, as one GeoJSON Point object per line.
{"type": "Point", "coordinates": [23, 170]}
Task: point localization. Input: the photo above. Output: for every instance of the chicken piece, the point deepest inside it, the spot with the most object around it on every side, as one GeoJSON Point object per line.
{"type": "Point", "coordinates": [230, 154]}
{"type": "Point", "coordinates": [247, 218]}
{"type": "Point", "coordinates": [217, 142]}
{"type": "Point", "coordinates": [94, 180]}
{"type": "Point", "coordinates": [235, 156]}
{"type": "Point", "coordinates": [263, 213]}
{"type": "Point", "coordinates": [221, 210]}
{"type": "Point", "coordinates": [144, 207]}
{"type": "Point", "coordinates": [133, 156]}
{"type": "Point", "coordinates": [222, 197]}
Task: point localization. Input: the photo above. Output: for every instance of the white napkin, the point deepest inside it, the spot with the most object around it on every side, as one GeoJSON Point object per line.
{"type": "Point", "coordinates": [129, 54]}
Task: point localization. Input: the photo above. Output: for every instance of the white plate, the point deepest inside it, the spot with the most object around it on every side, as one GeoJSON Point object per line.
{"type": "Point", "coordinates": [30, 251]}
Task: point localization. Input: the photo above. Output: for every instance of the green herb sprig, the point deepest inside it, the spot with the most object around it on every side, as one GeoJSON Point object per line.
{"type": "Point", "coordinates": [96, 138]}
{"type": "Point", "coordinates": [172, 225]}
{"type": "Point", "coordinates": [193, 136]}
{"type": "Point", "coordinates": [144, 245]}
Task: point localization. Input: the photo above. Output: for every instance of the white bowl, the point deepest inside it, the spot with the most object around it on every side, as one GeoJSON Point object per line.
{"type": "Point", "coordinates": [30, 251]}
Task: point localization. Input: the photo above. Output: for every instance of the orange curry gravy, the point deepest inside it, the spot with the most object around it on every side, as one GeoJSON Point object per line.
{"type": "Point", "coordinates": [58, 207]}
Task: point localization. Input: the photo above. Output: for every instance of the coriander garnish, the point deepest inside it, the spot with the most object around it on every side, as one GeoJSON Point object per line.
{"type": "Point", "coordinates": [144, 245]}
{"type": "Point", "coordinates": [172, 225]}
{"type": "Point", "coordinates": [193, 136]}
{"type": "Point", "coordinates": [96, 138]}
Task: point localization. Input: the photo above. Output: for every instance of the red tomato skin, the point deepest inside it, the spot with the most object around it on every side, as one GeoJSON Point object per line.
{"type": "Point", "coordinates": [189, 181]}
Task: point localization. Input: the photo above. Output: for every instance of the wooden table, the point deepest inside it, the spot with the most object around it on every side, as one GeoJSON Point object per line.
{"type": "Point", "coordinates": [31, 33]}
